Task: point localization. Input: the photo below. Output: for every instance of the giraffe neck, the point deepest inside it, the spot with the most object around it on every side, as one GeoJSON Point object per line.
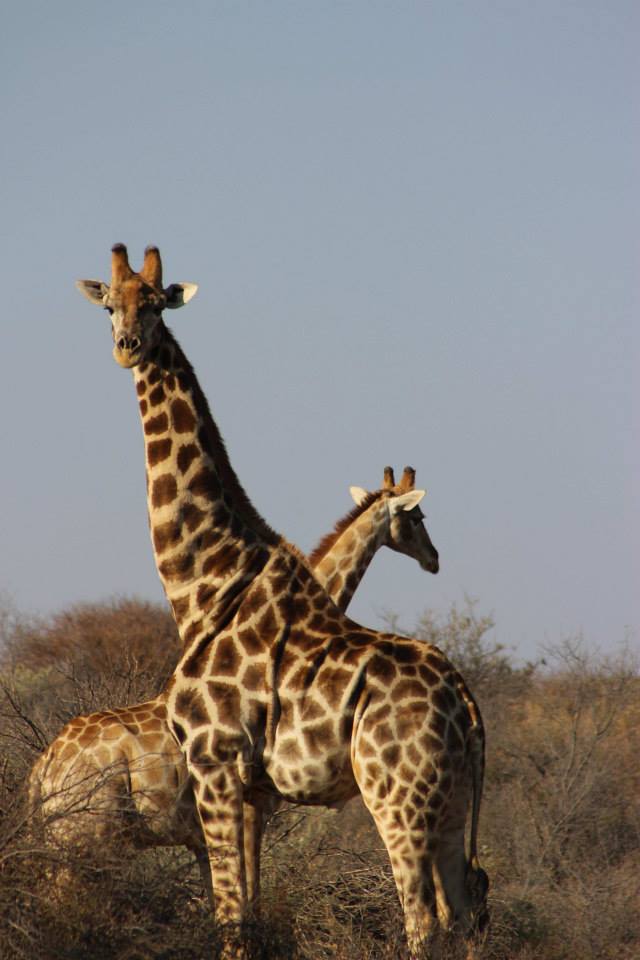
{"type": "Point", "coordinates": [208, 540]}
{"type": "Point", "coordinates": [341, 559]}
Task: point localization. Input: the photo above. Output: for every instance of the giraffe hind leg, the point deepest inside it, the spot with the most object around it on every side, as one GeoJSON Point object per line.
{"type": "Point", "coordinates": [411, 857]}
{"type": "Point", "coordinates": [460, 887]}
{"type": "Point", "coordinates": [449, 876]}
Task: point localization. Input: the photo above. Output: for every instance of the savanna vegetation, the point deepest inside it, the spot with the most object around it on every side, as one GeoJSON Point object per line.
{"type": "Point", "coordinates": [560, 824]}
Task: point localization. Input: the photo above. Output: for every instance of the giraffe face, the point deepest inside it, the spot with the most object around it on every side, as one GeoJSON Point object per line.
{"type": "Point", "coordinates": [135, 302]}
{"type": "Point", "coordinates": [407, 532]}
{"type": "Point", "coordinates": [135, 309]}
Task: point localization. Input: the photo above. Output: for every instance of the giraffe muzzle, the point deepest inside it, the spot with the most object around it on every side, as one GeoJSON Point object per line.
{"type": "Point", "coordinates": [432, 565]}
{"type": "Point", "coordinates": [127, 350]}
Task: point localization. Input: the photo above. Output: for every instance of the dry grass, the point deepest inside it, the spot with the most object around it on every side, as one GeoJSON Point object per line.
{"type": "Point", "coordinates": [560, 826]}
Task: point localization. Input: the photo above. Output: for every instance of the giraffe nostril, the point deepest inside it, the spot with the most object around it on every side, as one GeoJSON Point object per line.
{"type": "Point", "coordinates": [122, 343]}
{"type": "Point", "coordinates": [134, 344]}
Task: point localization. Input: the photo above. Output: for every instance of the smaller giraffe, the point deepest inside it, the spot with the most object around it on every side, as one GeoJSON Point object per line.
{"type": "Point", "coordinates": [120, 774]}
{"type": "Point", "coordinates": [340, 571]}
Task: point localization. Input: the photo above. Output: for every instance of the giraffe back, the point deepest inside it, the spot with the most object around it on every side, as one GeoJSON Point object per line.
{"type": "Point", "coordinates": [115, 775]}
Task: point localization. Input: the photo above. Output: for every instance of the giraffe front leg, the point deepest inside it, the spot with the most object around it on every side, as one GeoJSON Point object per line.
{"type": "Point", "coordinates": [218, 797]}
{"type": "Point", "coordinates": [257, 811]}
{"type": "Point", "coordinates": [202, 860]}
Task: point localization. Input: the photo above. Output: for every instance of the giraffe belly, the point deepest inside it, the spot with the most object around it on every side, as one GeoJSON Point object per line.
{"type": "Point", "coordinates": [303, 776]}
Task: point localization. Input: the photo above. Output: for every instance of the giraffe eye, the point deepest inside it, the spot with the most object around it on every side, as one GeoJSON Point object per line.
{"type": "Point", "coordinates": [109, 310]}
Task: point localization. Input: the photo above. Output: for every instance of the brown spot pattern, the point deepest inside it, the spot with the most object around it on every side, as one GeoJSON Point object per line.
{"type": "Point", "coordinates": [252, 642]}
{"type": "Point", "coordinates": [407, 688]}
{"type": "Point", "coordinates": [226, 659]}
{"type": "Point", "coordinates": [179, 731]}
{"type": "Point", "coordinates": [191, 706]}
{"type": "Point", "coordinates": [406, 653]}
{"type": "Point", "coordinates": [390, 755]}
{"type": "Point", "coordinates": [177, 568]}
{"type": "Point", "coordinates": [198, 752]}
{"type": "Point", "coordinates": [210, 538]}
{"type": "Point", "coordinates": [206, 592]}
{"type": "Point", "coordinates": [252, 678]}
{"type": "Point", "coordinates": [193, 516]}
{"type": "Point", "coordinates": [318, 737]}
{"type": "Point", "coordinates": [428, 675]}
{"type": "Point", "coordinates": [334, 686]}
{"type": "Point", "coordinates": [157, 395]}
{"type": "Point", "coordinates": [227, 700]}
{"type": "Point", "coordinates": [205, 484]}
{"type": "Point", "coordinates": [158, 450]}
{"type": "Point", "coordinates": [438, 724]}
{"type": "Point", "coordinates": [223, 560]}
{"type": "Point", "coordinates": [166, 535]}
{"type": "Point", "coordinates": [186, 455]}
{"type": "Point", "coordinates": [268, 626]}
{"type": "Point", "coordinates": [159, 424]}
{"type": "Point", "coordinates": [182, 416]}
{"type": "Point", "coordinates": [164, 490]}
{"type": "Point", "coordinates": [382, 668]}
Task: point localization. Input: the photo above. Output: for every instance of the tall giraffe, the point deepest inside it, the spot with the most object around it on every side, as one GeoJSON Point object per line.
{"type": "Point", "coordinates": [119, 774]}
{"type": "Point", "coordinates": [277, 691]}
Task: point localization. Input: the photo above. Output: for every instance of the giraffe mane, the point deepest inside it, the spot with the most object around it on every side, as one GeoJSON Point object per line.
{"type": "Point", "coordinates": [329, 539]}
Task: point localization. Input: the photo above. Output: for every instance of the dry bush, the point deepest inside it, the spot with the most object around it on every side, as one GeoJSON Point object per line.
{"type": "Point", "coordinates": [561, 822]}
{"type": "Point", "coordinates": [117, 907]}
{"type": "Point", "coordinates": [97, 638]}
{"type": "Point", "coordinates": [90, 657]}
{"type": "Point", "coordinates": [330, 872]}
{"type": "Point", "coordinates": [84, 659]}
{"type": "Point", "coordinates": [559, 832]}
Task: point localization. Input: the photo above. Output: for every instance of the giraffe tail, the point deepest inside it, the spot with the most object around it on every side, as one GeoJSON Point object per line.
{"type": "Point", "coordinates": [477, 757]}
{"type": "Point", "coordinates": [477, 879]}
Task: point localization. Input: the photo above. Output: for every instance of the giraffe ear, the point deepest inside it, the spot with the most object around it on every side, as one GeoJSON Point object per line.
{"type": "Point", "coordinates": [178, 294]}
{"type": "Point", "coordinates": [406, 501]}
{"type": "Point", "coordinates": [358, 494]}
{"type": "Point", "coordinates": [94, 290]}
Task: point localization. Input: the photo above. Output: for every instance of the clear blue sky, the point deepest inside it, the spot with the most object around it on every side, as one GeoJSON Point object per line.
{"type": "Point", "coordinates": [415, 230]}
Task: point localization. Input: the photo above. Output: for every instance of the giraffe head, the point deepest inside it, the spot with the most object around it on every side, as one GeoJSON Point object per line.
{"type": "Point", "coordinates": [135, 302]}
{"type": "Point", "coordinates": [406, 532]}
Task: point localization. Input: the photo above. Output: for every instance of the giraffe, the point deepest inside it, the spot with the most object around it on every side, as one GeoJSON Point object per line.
{"type": "Point", "coordinates": [278, 692]}
{"type": "Point", "coordinates": [119, 773]}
